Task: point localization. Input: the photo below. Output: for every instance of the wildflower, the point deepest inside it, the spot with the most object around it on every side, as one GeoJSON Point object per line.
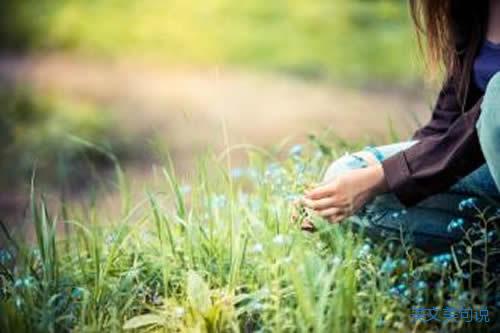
{"type": "Point", "coordinates": [287, 259]}
{"type": "Point", "coordinates": [257, 306]}
{"type": "Point", "coordinates": [442, 259]}
{"type": "Point", "coordinates": [77, 292]}
{"type": "Point", "coordinates": [401, 287]}
{"type": "Point", "coordinates": [275, 172]}
{"type": "Point", "coordinates": [454, 285]}
{"type": "Point", "coordinates": [296, 150]}
{"type": "Point", "coordinates": [280, 240]}
{"type": "Point", "coordinates": [257, 248]}
{"type": "Point", "coordinates": [467, 203]}
{"type": "Point", "coordinates": [19, 302]}
{"type": "Point", "coordinates": [455, 224]}
{"type": "Point", "coordinates": [253, 174]}
{"type": "Point", "coordinates": [388, 266]}
{"type": "Point", "coordinates": [364, 251]}
{"type": "Point", "coordinates": [394, 291]}
{"type": "Point", "coordinates": [265, 292]}
{"type": "Point", "coordinates": [463, 297]}
{"type": "Point", "coordinates": [292, 197]}
{"type": "Point", "coordinates": [179, 312]}
{"type": "Point", "coordinates": [26, 282]}
{"type": "Point", "coordinates": [185, 189]}
{"type": "Point", "coordinates": [218, 201]}
{"type": "Point", "coordinates": [237, 173]}
{"type": "Point", "coordinates": [146, 236]}
{"type": "Point", "coordinates": [421, 285]}
{"type": "Point", "coordinates": [336, 261]}
{"type": "Point", "coordinates": [5, 256]}
{"type": "Point", "coordinates": [111, 238]}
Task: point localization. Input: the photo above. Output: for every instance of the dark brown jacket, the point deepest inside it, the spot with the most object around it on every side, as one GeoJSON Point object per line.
{"type": "Point", "coordinates": [448, 149]}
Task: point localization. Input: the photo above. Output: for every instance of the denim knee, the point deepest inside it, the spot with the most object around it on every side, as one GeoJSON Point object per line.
{"type": "Point", "coordinates": [488, 127]}
{"type": "Point", "coordinates": [488, 124]}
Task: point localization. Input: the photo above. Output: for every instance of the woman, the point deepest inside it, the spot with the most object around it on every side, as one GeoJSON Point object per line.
{"type": "Point", "coordinates": [416, 186]}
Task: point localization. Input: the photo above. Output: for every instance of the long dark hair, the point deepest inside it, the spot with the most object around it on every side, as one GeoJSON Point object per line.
{"type": "Point", "coordinates": [452, 32]}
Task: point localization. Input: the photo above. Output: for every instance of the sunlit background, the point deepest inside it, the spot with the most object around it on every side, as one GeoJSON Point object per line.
{"type": "Point", "coordinates": [83, 81]}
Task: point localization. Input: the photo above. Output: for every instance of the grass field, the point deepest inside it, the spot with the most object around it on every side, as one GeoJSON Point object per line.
{"type": "Point", "coordinates": [221, 253]}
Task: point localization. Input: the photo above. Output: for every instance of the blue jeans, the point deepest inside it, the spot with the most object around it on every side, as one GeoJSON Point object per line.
{"type": "Point", "coordinates": [426, 224]}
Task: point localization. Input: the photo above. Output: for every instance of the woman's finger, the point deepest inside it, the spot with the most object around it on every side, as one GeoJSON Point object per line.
{"type": "Point", "coordinates": [330, 212]}
{"type": "Point", "coordinates": [320, 192]}
{"type": "Point", "coordinates": [319, 204]}
{"type": "Point", "coordinates": [337, 218]}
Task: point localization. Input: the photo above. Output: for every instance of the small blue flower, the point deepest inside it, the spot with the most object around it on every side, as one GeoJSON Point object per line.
{"type": "Point", "coordinates": [403, 263]}
{"type": "Point", "coordinates": [296, 150]}
{"type": "Point", "coordinates": [336, 261]}
{"type": "Point", "coordinates": [280, 240]}
{"type": "Point", "coordinates": [442, 259]}
{"type": "Point", "coordinates": [19, 302]}
{"type": "Point", "coordinates": [26, 282]}
{"type": "Point", "coordinates": [179, 312]}
{"type": "Point", "coordinates": [454, 285]}
{"type": "Point", "coordinates": [218, 201]}
{"type": "Point", "coordinates": [394, 291]}
{"type": "Point", "coordinates": [364, 251]}
{"type": "Point", "coordinates": [77, 292]}
{"type": "Point", "coordinates": [421, 285]}
{"type": "Point", "coordinates": [292, 197]}
{"type": "Point", "coordinates": [467, 203]}
{"type": "Point", "coordinates": [257, 248]}
{"type": "Point", "coordinates": [110, 239]}
{"type": "Point", "coordinates": [395, 215]}
{"type": "Point", "coordinates": [185, 189]}
{"type": "Point", "coordinates": [455, 224]}
{"type": "Point", "coordinates": [388, 266]}
{"type": "Point", "coordinates": [237, 173]}
{"type": "Point", "coordinates": [5, 256]}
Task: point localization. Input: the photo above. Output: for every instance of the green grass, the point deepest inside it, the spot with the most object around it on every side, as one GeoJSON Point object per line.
{"type": "Point", "coordinates": [37, 131]}
{"type": "Point", "coordinates": [219, 255]}
{"type": "Point", "coordinates": [341, 39]}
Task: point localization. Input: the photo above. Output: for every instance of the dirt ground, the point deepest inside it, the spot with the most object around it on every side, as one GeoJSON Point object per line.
{"type": "Point", "coordinates": [191, 109]}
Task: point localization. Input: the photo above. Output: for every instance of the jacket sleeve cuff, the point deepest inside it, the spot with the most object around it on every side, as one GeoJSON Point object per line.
{"type": "Point", "coordinates": [398, 177]}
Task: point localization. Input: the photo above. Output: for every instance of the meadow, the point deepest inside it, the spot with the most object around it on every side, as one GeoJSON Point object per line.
{"type": "Point", "coordinates": [218, 248]}
{"type": "Point", "coordinates": [222, 253]}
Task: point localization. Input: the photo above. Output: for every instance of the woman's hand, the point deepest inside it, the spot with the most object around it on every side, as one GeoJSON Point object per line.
{"type": "Point", "coordinates": [347, 193]}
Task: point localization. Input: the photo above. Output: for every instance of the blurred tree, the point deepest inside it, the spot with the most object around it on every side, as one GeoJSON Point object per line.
{"type": "Point", "coordinates": [23, 23]}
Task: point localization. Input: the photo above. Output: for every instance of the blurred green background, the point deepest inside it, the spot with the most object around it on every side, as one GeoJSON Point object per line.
{"type": "Point", "coordinates": [74, 68]}
{"type": "Point", "coordinates": [345, 39]}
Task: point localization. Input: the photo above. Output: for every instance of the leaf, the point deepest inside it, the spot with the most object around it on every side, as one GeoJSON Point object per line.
{"type": "Point", "coordinates": [143, 320]}
{"type": "Point", "coordinates": [198, 293]}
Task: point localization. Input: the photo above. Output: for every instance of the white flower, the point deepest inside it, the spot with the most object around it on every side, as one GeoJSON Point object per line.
{"type": "Point", "coordinates": [336, 261]}
{"type": "Point", "coordinates": [280, 240]}
{"type": "Point", "coordinates": [257, 248]}
{"type": "Point", "coordinates": [179, 312]}
{"type": "Point", "coordinates": [287, 260]}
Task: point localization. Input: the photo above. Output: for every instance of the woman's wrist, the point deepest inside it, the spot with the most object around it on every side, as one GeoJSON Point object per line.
{"type": "Point", "coordinates": [379, 184]}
